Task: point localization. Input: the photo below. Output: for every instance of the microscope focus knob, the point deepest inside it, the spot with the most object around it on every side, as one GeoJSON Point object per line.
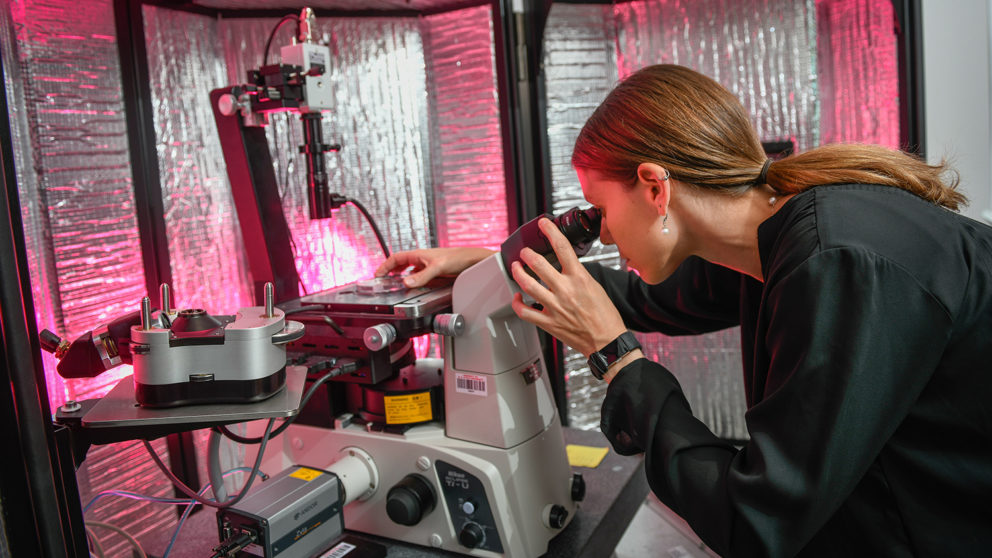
{"type": "Point", "coordinates": [410, 500]}
{"type": "Point", "coordinates": [471, 535]}
{"type": "Point", "coordinates": [451, 325]}
{"type": "Point", "coordinates": [379, 337]}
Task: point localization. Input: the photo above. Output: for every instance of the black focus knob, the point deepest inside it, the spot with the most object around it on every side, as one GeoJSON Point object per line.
{"type": "Point", "coordinates": [410, 500]}
{"type": "Point", "coordinates": [471, 535]}
{"type": "Point", "coordinates": [578, 487]}
{"type": "Point", "coordinates": [557, 516]}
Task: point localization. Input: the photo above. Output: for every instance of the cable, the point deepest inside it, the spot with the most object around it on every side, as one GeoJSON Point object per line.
{"type": "Point", "coordinates": [375, 228]}
{"type": "Point", "coordinates": [192, 504]}
{"type": "Point", "coordinates": [189, 491]}
{"type": "Point", "coordinates": [95, 542]}
{"type": "Point", "coordinates": [133, 496]}
{"type": "Point", "coordinates": [336, 371]}
{"type": "Point", "coordinates": [272, 35]}
{"type": "Point", "coordinates": [123, 533]}
{"type": "Point", "coordinates": [213, 466]}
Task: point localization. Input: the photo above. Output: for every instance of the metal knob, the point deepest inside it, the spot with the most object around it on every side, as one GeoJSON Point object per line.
{"type": "Point", "coordinates": [451, 325]}
{"type": "Point", "coordinates": [379, 336]}
{"type": "Point", "coordinates": [228, 104]}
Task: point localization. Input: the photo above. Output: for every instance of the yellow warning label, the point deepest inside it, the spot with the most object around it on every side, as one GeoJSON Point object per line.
{"type": "Point", "coordinates": [404, 409]}
{"type": "Point", "coordinates": [305, 473]}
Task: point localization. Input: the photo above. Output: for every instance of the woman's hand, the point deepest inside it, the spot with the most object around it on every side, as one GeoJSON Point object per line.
{"type": "Point", "coordinates": [432, 262]}
{"type": "Point", "coordinates": [576, 308]}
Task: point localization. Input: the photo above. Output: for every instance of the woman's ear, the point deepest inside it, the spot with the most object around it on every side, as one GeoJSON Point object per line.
{"type": "Point", "coordinates": [657, 187]}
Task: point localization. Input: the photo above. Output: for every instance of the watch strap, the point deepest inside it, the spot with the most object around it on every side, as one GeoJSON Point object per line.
{"type": "Point", "coordinates": [600, 361]}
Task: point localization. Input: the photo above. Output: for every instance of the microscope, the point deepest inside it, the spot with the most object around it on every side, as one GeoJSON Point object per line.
{"type": "Point", "coordinates": [464, 453]}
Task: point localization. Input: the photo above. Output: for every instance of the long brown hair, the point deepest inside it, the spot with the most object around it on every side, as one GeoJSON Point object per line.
{"type": "Point", "coordinates": [696, 129]}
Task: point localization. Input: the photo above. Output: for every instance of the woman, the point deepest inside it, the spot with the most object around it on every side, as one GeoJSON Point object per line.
{"type": "Point", "coordinates": [865, 308]}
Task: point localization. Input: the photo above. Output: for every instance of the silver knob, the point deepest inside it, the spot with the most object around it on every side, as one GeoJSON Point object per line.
{"type": "Point", "coordinates": [379, 336]}
{"type": "Point", "coordinates": [451, 325]}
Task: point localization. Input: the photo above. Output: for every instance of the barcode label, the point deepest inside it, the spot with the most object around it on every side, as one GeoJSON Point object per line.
{"type": "Point", "coordinates": [339, 550]}
{"type": "Point", "coordinates": [470, 384]}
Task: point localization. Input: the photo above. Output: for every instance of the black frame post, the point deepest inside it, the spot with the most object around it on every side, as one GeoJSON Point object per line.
{"type": "Point", "coordinates": [909, 31]}
{"type": "Point", "coordinates": [135, 85]}
{"type": "Point", "coordinates": [519, 37]}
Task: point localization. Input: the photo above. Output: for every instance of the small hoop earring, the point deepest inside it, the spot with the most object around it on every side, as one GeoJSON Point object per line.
{"type": "Point", "coordinates": [667, 175]}
{"type": "Point", "coordinates": [664, 225]}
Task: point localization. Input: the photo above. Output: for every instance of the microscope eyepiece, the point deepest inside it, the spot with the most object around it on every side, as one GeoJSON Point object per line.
{"type": "Point", "coordinates": [580, 226]}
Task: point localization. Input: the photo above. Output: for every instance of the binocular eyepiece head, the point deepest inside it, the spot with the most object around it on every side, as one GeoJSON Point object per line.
{"type": "Point", "coordinates": [580, 227]}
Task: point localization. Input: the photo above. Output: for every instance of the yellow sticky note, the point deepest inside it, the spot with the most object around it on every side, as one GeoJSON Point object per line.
{"type": "Point", "coordinates": [585, 456]}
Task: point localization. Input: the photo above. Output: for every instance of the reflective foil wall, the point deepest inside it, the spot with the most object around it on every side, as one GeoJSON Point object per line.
{"type": "Point", "coordinates": [767, 52]}
{"type": "Point", "coordinates": [74, 180]}
{"type": "Point", "coordinates": [859, 72]}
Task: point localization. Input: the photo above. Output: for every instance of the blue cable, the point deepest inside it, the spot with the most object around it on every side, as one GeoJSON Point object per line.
{"type": "Point", "coordinates": [134, 496]}
{"type": "Point", "coordinates": [188, 502]}
{"type": "Point", "coordinates": [193, 503]}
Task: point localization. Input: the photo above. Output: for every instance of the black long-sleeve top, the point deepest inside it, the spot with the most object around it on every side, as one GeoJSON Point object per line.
{"type": "Point", "coordinates": [867, 356]}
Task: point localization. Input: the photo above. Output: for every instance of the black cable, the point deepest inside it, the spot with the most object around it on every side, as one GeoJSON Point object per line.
{"type": "Point", "coordinates": [375, 228]}
{"type": "Point", "coordinates": [336, 371]}
{"type": "Point", "coordinates": [192, 493]}
{"type": "Point", "coordinates": [272, 35]}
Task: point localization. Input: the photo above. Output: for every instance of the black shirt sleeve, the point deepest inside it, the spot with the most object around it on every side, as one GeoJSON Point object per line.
{"type": "Point", "coordinates": [699, 297]}
{"type": "Point", "coordinates": [853, 340]}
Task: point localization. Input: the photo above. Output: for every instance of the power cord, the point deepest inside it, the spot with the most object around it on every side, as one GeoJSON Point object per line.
{"type": "Point", "coordinates": [192, 494]}
{"type": "Point", "coordinates": [192, 504]}
{"type": "Point", "coordinates": [345, 368]}
{"type": "Point", "coordinates": [127, 536]}
{"type": "Point", "coordinates": [337, 200]}
{"type": "Point", "coordinates": [272, 35]}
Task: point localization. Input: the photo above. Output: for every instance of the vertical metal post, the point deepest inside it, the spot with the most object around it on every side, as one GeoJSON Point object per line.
{"type": "Point", "coordinates": [148, 203]}
{"type": "Point", "coordinates": [519, 35]}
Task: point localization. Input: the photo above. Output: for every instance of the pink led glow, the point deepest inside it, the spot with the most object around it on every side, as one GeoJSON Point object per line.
{"type": "Point", "coordinates": [330, 253]}
{"type": "Point", "coordinates": [859, 72]}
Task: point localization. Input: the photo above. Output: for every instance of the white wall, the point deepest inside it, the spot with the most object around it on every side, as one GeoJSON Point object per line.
{"type": "Point", "coordinates": [957, 95]}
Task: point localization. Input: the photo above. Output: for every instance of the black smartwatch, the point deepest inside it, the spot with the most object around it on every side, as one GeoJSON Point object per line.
{"type": "Point", "coordinates": [601, 360]}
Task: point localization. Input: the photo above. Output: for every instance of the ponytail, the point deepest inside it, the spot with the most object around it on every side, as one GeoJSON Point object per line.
{"type": "Point", "coordinates": [866, 164]}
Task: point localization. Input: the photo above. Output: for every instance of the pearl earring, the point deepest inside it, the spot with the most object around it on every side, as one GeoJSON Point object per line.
{"type": "Point", "coordinates": [664, 225]}
{"type": "Point", "coordinates": [772, 200]}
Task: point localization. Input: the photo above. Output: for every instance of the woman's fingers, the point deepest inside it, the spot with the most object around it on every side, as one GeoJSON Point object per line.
{"type": "Point", "coordinates": [531, 286]}
{"type": "Point", "coordinates": [398, 261]}
{"type": "Point", "coordinates": [562, 247]}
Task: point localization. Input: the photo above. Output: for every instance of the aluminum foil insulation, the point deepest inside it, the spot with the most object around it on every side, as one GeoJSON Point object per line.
{"type": "Point", "coordinates": [579, 70]}
{"type": "Point", "coordinates": [467, 164]}
{"type": "Point", "coordinates": [185, 62]}
{"type": "Point", "coordinates": [859, 72]}
{"type": "Point", "coordinates": [73, 173]}
{"type": "Point", "coordinates": [763, 51]}
{"type": "Point", "coordinates": [74, 181]}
